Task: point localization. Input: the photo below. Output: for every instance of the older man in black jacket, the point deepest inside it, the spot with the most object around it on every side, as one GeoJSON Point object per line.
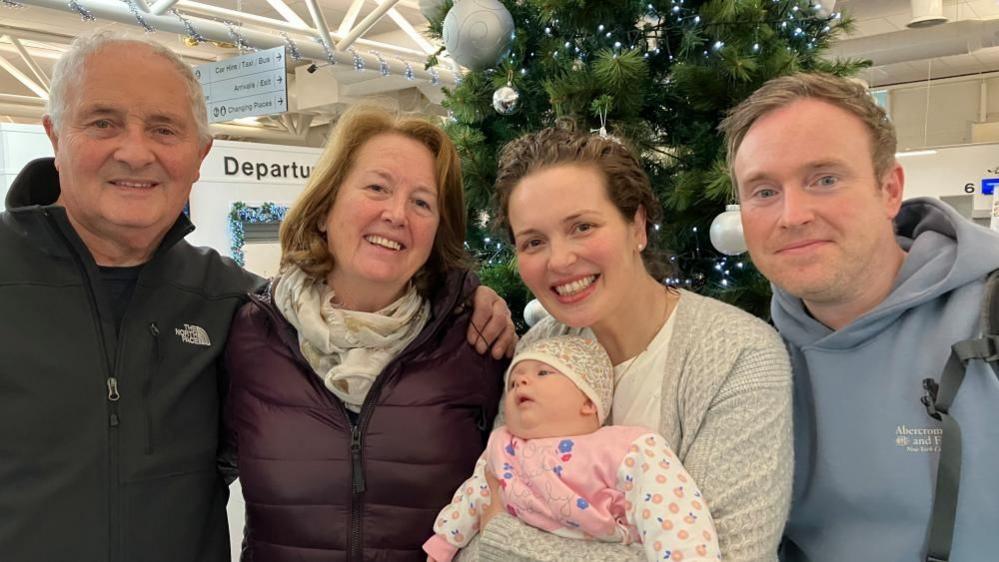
{"type": "Point", "coordinates": [112, 325]}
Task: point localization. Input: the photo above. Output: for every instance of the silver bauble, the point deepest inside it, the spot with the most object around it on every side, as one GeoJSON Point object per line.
{"type": "Point", "coordinates": [478, 33]}
{"type": "Point", "coordinates": [726, 232]}
{"type": "Point", "coordinates": [506, 100]}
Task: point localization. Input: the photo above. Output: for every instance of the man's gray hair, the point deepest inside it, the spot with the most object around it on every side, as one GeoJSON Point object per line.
{"type": "Point", "coordinates": [68, 73]}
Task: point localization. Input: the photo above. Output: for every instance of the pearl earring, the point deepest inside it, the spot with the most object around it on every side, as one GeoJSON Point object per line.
{"type": "Point", "coordinates": [641, 247]}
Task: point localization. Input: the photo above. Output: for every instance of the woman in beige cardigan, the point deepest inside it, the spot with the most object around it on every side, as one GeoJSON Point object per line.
{"type": "Point", "coordinates": [712, 379]}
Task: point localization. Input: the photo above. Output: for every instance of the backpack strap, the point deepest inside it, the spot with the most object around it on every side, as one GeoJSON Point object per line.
{"type": "Point", "coordinates": [938, 400]}
{"type": "Point", "coordinates": [990, 309]}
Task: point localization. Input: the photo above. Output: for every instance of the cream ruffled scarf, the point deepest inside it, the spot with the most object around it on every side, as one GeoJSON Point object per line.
{"type": "Point", "coordinates": [347, 348]}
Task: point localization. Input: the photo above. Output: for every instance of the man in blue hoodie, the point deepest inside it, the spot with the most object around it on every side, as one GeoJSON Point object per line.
{"type": "Point", "coordinates": [869, 293]}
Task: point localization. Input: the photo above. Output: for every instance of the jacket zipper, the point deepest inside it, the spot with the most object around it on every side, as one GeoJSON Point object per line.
{"type": "Point", "coordinates": [364, 418]}
{"type": "Point", "coordinates": [112, 397]}
{"type": "Point", "coordinates": [355, 551]}
{"type": "Point", "coordinates": [356, 467]}
{"type": "Point", "coordinates": [154, 331]}
{"type": "Point", "coordinates": [356, 473]}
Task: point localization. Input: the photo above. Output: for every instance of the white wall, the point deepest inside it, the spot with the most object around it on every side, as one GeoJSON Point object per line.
{"type": "Point", "coordinates": [953, 107]}
{"type": "Point", "coordinates": [222, 182]}
{"type": "Point", "coordinates": [945, 112]}
{"type": "Point", "coordinates": [19, 144]}
{"type": "Point", "coordinates": [948, 170]}
{"type": "Point", "coordinates": [218, 188]}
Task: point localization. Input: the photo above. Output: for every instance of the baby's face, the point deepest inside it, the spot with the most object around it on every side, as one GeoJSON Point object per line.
{"type": "Point", "coordinates": [542, 402]}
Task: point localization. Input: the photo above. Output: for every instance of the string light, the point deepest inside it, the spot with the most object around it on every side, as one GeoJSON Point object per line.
{"type": "Point", "coordinates": [675, 21]}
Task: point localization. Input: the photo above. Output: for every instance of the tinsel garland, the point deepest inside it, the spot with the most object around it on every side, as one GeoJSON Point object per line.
{"type": "Point", "coordinates": [241, 214]}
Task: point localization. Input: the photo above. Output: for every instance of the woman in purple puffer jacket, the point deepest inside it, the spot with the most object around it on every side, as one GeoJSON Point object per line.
{"type": "Point", "coordinates": [356, 406]}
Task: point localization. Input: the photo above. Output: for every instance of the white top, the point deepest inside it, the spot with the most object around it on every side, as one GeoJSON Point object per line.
{"type": "Point", "coordinates": [633, 403]}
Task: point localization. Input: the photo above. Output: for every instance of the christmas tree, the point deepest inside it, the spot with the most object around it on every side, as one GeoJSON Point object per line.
{"type": "Point", "coordinates": [659, 75]}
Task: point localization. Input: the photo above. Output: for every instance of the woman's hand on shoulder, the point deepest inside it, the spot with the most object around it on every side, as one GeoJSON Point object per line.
{"type": "Point", "coordinates": [491, 326]}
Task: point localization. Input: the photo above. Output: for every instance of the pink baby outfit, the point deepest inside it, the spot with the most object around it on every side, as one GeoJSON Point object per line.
{"type": "Point", "coordinates": [616, 484]}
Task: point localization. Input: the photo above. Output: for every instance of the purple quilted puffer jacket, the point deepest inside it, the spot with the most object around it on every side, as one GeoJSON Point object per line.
{"type": "Point", "coordinates": [323, 487]}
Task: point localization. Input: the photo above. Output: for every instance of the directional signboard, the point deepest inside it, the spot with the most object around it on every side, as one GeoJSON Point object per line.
{"type": "Point", "coordinates": [245, 86]}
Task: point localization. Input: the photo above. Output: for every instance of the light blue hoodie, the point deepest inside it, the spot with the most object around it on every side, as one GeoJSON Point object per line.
{"type": "Point", "coordinates": [865, 449]}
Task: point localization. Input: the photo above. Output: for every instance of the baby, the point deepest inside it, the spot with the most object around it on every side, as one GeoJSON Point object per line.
{"type": "Point", "coordinates": [561, 472]}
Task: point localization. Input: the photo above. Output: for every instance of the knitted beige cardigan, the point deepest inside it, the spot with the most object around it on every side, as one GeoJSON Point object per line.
{"type": "Point", "coordinates": [726, 411]}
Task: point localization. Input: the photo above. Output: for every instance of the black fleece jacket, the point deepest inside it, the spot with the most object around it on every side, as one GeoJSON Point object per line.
{"type": "Point", "coordinates": [108, 444]}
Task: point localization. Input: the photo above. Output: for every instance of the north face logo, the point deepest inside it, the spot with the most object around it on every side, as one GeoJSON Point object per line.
{"type": "Point", "coordinates": [193, 334]}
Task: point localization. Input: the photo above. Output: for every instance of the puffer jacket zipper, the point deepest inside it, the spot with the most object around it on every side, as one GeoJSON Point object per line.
{"type": "Point", "coordinates": [287, 335]}
{"type": "Point", "coordinates": [358, 430]}
{"type": "Point", "coordinates": [113, 396]}
{"type": "Point", "coordinates": [367, 409]}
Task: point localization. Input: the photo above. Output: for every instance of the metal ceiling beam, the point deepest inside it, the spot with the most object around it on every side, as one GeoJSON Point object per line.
{"type": "Point", "coordinates": [35, 35]}
{"type": "Point", "coordinates": [23, 78]}
{"type": "Point", "coordinates": [29, 61]}
{"type": "Point", "coordinates": [368, 21]}
{"type": "Point", "coordinates": [26, 100]}
{"type": "Point", "coordinates": [38, 53]}
{"type": "Point", "coordinates": [61, 41]}
{"type": "Point", "coordinates": [286, 12]}
{"type": "Point", "coordinates": [409, 30]}
{"type": "Point", "coordinates": [190, 6]}
{"type": "Point", "coordinates": [23, 111]}
{"type": "Point", "coordinates": [161, 7]}
{"type": "Point", "coordinates": [303, 123]}
{"type": "Point", "coordinates": [297, 123]}
{"type": "Point", "coordinates": [319, 20]}
{"type": "Point", "coordinates": [215, 31]}
{"type": "Point", "coordinates": [350, 17]}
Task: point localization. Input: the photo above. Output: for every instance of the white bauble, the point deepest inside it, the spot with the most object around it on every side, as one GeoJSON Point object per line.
{"type": "Point", "coordinates": [826, 7]}
{"type": "Point", "coordinates": [431, 8]}
{"type": "Point", "coordinates": [534, 312]}
{"type": "Point", "coordinates": [478, 33]}
{"type": "Point", "coordinates": [726, 232]}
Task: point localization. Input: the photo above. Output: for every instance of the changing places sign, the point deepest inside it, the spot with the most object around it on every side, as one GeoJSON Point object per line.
{"type": "Point", "coordinates": [245, 86]}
